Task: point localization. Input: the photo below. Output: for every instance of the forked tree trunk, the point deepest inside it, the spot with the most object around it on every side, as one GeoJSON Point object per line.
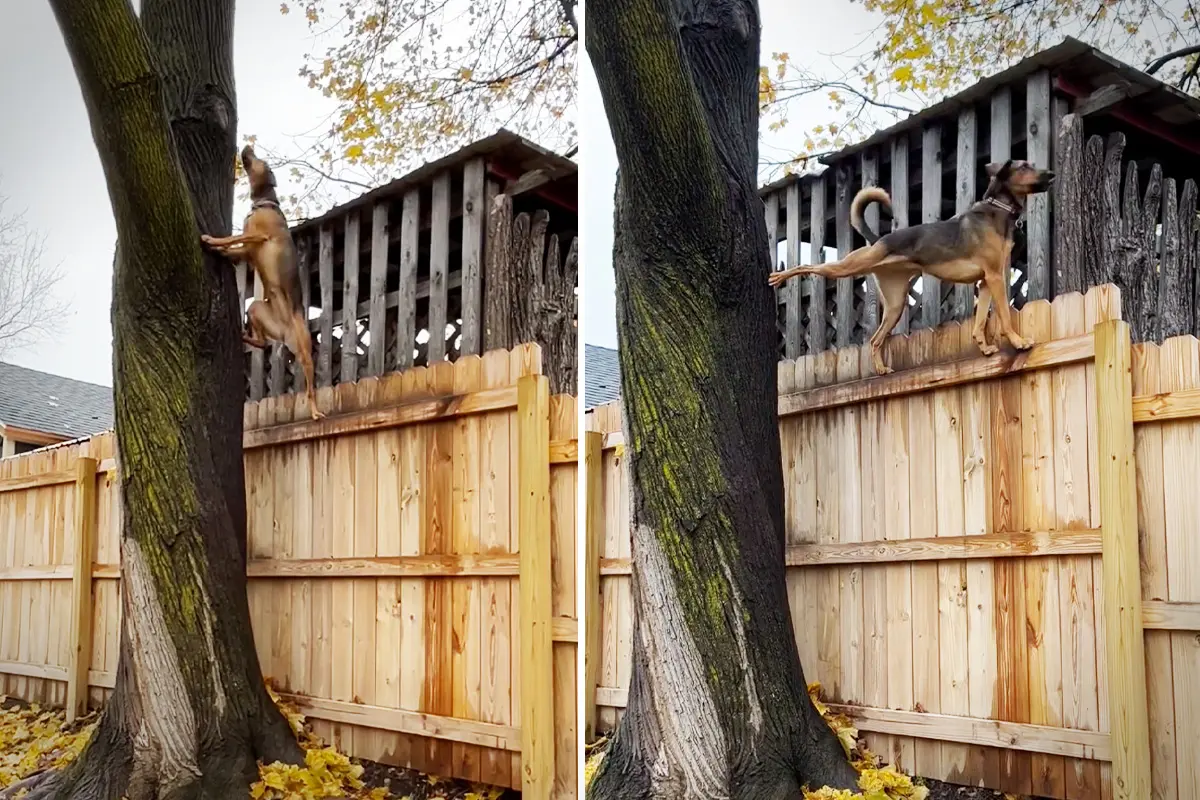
{"type": "Point", "coordinates": [189, 716]}
{"type": "Point", "coordinates": [718, 706]}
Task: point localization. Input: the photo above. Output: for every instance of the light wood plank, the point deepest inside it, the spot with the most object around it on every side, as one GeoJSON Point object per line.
{"type": "Point", "coordinates": [593, 547]}
{"type": "Point", "coordinates": [818, 309]}
{"type": "Point", "coordinates": [433, 726]}
{"type": "Point", "coordinates": [36, 480]}
{"type": "Point", "coordinates": [1037, 209]}
{"type": "Point", "coordinates": [792, 330]}
{"type": "Point", "coordinates": [444, 407]}
{"type": "Point", "coordinates": [81, 587]}
{"type": "Point", "coordinates": [1123, 598]}
{"type": "Point", "coordinates": [844, 323]}
{"type": "Point", "coordinates": [350, 255]}
{"type": "Point", "coordinates": [1161, 406]}
{"type": "Point", "coordinates": [963, 295]}
{"type": "Point", "coordinates": [921, 379]}
{"type": "Point", "coordinates": [537, 679]}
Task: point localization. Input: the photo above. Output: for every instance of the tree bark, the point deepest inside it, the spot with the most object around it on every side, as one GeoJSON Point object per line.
{"type": "Point", "coordinates": [189, 716]}
{"type": "Point", "coordinates": [718, 706]}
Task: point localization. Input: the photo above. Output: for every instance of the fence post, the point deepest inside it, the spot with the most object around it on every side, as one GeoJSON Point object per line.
{"type": "Point", "coordinates": [81, 588]}
{"type": "Point", "coordinates": [537, 653]}
{"type": "Point", "coordinates": [1126, 653]}
{"type": "Point", "coordinates": [592, 457]}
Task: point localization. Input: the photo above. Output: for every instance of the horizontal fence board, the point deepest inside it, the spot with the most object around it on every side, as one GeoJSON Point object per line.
{"type": "Point", "coordinates": [97, 678]}
{"type": "Point", "coordinates": [984, 732]}
{"type": "Point", "coordinates": [423, 566]}
{"type": "Point", "coordinates": [1163, 615]}
{"type": "Point", "coordinates": [565, 451]}
{"type": "Point", "coordinates": [485, 734]}
{"type": "Point", "coordinates": [376, 419]}
{"type": "Point", "coordinates": [1167, 406]}
{"type": "Point", "coordinates": [948, 548]}
{"type": "Point", "coordinates": [37, 481]}
{"type": "Point", "coordinates": [1059, 352]}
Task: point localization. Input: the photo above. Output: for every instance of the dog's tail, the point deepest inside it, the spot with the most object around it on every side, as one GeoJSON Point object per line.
{"type": "Point", "coordinates": [864, 198]}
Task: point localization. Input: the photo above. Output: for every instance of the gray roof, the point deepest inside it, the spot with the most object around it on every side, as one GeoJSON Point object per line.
{"type": "Point", "coordinates": [601, 376]}
{"type": "Point", "coordinates": [53, 404]}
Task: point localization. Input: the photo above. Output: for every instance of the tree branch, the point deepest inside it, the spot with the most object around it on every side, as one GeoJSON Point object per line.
{"type": "Point", "coordinates": [1158, 63]}
{"type": "Point", "coordinates": [568, 7]}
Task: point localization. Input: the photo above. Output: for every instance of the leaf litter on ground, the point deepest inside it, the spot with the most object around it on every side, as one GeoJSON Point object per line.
{"type": "Point", "coordinates": [34, 739]}
{"type": "Point", "coordinates": [876, 780]}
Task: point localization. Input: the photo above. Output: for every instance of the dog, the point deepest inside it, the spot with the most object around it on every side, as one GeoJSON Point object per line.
{"type": "Point", "coordinates": [974, 247]}
{"type": "Point", "coordinates": [266, 244]}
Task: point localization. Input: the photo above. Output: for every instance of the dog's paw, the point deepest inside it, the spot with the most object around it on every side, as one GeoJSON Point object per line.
{"type": "Point", "coordinates": [883, 369]}
{"type": "Point", "coordinates": [988, 349]}
{"type": "Point", "coordinates": [206, 239]}
{"type": "Point", "coordinates": [316, 415]}
{"type": "Point", "coordinates": [1021, 343]}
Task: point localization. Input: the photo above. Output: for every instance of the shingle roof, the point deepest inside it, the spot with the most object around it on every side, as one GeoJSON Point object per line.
{"type": "Point", "coordinates": [601, 376]}
{"type": "Point", "coordinates": [53, 404]}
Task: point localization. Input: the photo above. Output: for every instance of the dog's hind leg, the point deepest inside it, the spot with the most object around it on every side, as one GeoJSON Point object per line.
{"type": "Point", "coordinates": [300, 343]}
{"type": "Point", "coordinates": [860, 262]}
{"type": "Point", "coordinates": [982, 306]}
{"type": "Point", "coordinates": [893, 294]}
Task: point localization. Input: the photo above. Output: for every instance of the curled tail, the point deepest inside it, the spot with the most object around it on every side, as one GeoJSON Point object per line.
{"type": "Point", "coordinates": [864, 198]}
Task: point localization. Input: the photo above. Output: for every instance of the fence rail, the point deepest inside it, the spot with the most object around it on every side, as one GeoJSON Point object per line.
{"type": "Point", "coordinates": [963, 558]}
{"type": "Point", "coordinates": [410, 563]}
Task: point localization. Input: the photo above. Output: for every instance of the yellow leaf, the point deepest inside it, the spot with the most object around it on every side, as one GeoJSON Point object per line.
{"type": "Point", "coordinates": [902, 74]}
{"type": "Point", "coordinates": [354, 151]}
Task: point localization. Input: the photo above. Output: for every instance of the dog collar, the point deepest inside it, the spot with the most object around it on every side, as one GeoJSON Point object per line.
{"type": "Point", "coordinates": [1016, 212]}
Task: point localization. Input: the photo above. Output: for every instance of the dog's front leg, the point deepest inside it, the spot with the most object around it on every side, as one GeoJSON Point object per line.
{"type": "Point", "coordinates": [779, 278]}
{"type": "Point", "coordinates": [979, 333]}
{"type": "Point", "coordinates": [1004, 313]}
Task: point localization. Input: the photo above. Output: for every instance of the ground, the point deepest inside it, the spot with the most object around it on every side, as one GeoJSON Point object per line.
{"type": "Point", "coordinates": [876, 781]}
{"type": "Point", "coordinates": [33, 739]}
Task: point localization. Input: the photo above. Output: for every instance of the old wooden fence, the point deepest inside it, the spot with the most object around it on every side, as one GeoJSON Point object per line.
{"type": "Point", "coordinates": [411, 569]}
{"type": "Point", "coordinates": [962, 553]}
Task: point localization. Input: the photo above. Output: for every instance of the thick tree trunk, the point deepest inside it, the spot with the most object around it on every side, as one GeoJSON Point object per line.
{"type": "Point", "coordinates": [189, 717]}
{"type": "Point", "coordinates": [718, 706]}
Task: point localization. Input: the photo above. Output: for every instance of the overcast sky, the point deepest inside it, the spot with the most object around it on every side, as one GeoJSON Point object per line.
{"type": "Point", "coordinates": [50, 170]}
{"type": "Point", "coordinates": [787, 27]}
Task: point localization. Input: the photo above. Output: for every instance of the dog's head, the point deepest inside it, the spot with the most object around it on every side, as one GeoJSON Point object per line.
{"type": "Point", "coordinates": [262, 179]}
{"type": "Point", "coordinates": [1018, 179]}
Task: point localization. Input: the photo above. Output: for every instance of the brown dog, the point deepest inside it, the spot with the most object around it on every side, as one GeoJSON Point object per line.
{"type": "Point", "coordinates": [973, 247]}
{"type": "Point", "coordinates": [266, 244]}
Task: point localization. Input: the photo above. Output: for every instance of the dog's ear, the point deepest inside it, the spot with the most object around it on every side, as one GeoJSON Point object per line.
{"type": "Point", "coordinates": [996, 170]}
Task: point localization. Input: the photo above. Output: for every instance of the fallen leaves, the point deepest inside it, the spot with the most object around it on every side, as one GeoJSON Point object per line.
{"type": "Point", "coordinates": [33, 739]}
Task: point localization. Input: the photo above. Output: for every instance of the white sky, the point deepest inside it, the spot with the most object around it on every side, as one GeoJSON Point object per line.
{"type": "Point", "coordinates": [50, 170]}
{"type": "Point", "coordinates": [787, 27]}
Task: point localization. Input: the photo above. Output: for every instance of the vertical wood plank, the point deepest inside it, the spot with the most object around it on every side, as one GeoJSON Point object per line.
{"type": "Point", "coordinates": [439, 265]}
{"type": "Point", "coordinates": [406, 314]}
{"type": "Point", "coordinates": [793, 318]}
{"type": "Point", "coordinates": [1037, 208]}
{"type": "Point", "coordinates": [537, 678]}
{"type": "Point", "coordinates": [818, 312]}
{"type": "Point", "coordinates": [350, 299]}
{"type": "Point", "coordinates": [869, 164]}
{"type": "Point", "coordinates": [594, 532]}
{"type": "Point", "coordinates": [963, 295]}
{"type": "Point", "coordinates": [438, 530]}
{"type": "Point", "coordinates": [931, 211]}
{"type": "Point", "coordinates": [377, 353]}
{"type": "Point", "coordinates": [1126, 658]}
{"type": "Point", "coordinates": [81, 588]}
{"type": "Point", "coordinates": [304, 266]}
{"type": "Point", "coordinates": [844, 327]}
{"type": "Point", "coordinates": [474, 212]}
{"type": "Point", "coordinates": [900, 183]}
{"type": "Point", "coordinates": [325, 344]}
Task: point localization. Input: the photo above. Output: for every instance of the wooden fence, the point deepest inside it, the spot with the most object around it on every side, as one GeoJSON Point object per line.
{"type": "Point", "coordinates": [411, 569]}
{"type": "Point", "coordinates": [962, 553]}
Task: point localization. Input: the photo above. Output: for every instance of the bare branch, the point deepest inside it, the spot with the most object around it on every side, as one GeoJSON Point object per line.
{"type": "Point", "coordinates": [1163, 60]}
{"type": "Point", "coordinates": [29, 307]}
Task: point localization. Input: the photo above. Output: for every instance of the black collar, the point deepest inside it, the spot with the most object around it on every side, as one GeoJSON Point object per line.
{"type": "Point", "coordinates": [264, 203]}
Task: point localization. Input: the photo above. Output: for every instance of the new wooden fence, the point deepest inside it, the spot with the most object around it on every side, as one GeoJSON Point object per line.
{"type": "Point", "coordinates": [411, 568]}
{"type": "Point", "coordinates": [962, 553]}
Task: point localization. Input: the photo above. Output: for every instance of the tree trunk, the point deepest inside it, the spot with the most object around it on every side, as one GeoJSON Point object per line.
{"type": "Point", "coordinates": [189, 716]}
{"type": "Point", "coordinates": [718, 706]}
